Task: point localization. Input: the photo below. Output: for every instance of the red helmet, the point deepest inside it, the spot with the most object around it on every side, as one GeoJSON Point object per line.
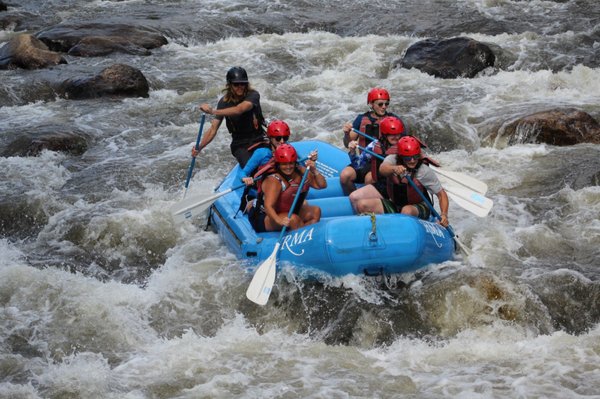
{"type": "Point", "coordinates": [377, 94]}
{"type": "Point", "coordinates": [391, 125]}
{"type": "Point", "coordinates": [278, 128]}
{"type": "Point", "coordinates": [408, 146]}
{"type": "Point", "coordinates": [285, 153]}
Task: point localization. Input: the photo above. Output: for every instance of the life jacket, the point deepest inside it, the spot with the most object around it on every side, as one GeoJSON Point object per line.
{"type": "Point", "coordinates": [263, 171]}
{"type": "Point", "coordinates": [249, 191]}
{"type": "Point", "coordinates": [370, 126]}
{"type": "Point", "coordinates": [381, 149]}
{"type": "Point", "coordinates": [287, 195]}
{"type": "Point", "coordinates": [263, 143]}
{"type": "Point", "coordinates": [401, 192]}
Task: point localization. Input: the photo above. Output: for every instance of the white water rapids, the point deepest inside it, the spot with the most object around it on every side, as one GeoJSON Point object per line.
{"type": "Point", "coordinates": [102, 296]}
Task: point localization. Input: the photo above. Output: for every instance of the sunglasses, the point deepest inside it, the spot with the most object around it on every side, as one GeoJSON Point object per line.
{"type": "Point", "coordinates": [239, 84]}
{"type": "Point", "coordinates": [281, 138]}
{"type": "Point", "coordinates": [414, 157]}
{"type": "Point", "coordinates": [382, 103]}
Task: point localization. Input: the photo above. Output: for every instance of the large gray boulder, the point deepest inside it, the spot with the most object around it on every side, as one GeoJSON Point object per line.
{"type": "Point", "coordinates": [116, 80]}
{"type": "Point", "coordinates": [448, 58]}
{"type": "Point", "coordinates": [92, 39]}
{"type": "Point", "coordinates": [96, 46]}
{"type": "Point", "coordinates": [32, 141]}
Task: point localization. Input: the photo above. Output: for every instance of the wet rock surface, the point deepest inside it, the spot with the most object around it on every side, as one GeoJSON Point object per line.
{"type": "Point", "coordinates": [116, 80]}
{"type": "Point", "coordinates": [560, 127]}
{"type": "Point", "coordinates": [448, 58]}
{"type": "Point", "coordinates": [27, 52]}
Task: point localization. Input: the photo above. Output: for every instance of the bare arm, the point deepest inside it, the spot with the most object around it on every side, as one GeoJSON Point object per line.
{"type": "Point", "coordinates": [239, 109]}
{"type": "Point", "coordinates": [210, 133]}
{"type": "Point", "coordinates": [443, 199]}
{"type": "Point", "coordinates": [387, 169]}
{"type": "Point", "coordinates": [349, 134]}
{"type": "Point", "coordinates": [208, 136]}
{"type": "Point", "coordinates": [317, 180]}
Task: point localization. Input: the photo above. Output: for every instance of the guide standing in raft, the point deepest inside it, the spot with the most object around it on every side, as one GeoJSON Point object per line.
{"type": "Point", "coordinates": [240, 106]}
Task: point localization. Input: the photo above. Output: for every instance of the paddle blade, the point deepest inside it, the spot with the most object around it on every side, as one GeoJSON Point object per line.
{"type": "Point", "coordinates": [471, 201]}
{"type": "Point", "coordinates": [465, 250]}
{"type": "Point", "coordinates": [462, 179]}
{"type": "Point", "coordinates": [194, 207]}
{"type": "Point", "coordinates": [261, 285]}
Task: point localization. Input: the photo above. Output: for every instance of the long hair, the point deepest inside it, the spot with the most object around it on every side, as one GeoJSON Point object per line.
{"type": "Point", "coordinates": [229, 95]}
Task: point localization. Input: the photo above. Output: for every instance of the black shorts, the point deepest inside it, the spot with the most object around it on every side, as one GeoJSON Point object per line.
{"type": "Point", "coordinates": [241, 154]}
{"type": "Point", "coordinates": [257, 219]}
{"type": "Point", "coordinates": [361, 173]}
{"type": "Point", "coordinates": [381, 187]}
{"type": "Point", "coordinates": [239, 149]}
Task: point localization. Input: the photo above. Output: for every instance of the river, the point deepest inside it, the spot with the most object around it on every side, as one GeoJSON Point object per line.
{"type": "Point", "coordinates": [103, 296]}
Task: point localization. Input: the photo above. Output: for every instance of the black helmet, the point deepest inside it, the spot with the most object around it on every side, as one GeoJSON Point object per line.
{"type": "Point", "coordinates": [237, 75]}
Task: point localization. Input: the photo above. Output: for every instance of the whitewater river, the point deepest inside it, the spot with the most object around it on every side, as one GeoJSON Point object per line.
{"type": "Point", "coordinates": [103, 296]}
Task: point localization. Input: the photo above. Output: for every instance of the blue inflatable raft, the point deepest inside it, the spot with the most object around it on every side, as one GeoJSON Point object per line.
{"type": "Point", "coordinates": [342, 242]}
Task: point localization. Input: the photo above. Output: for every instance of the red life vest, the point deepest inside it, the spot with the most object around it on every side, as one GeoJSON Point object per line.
{"type": "Point", "coordinates": [289, 188]}
{"type": "Point", "coordinates": [370, 126]}
{"type": "Point", "coordinates": [263, 171]}
{"type": "Point", "coordinates": [262, 143]}
{"type": "Point", "coordinates": [380, 149]}
{"type": "Point", "coordinates": [288, 193]}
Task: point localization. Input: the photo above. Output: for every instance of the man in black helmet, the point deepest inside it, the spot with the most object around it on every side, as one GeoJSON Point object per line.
{"type": "Point", "coordinates": [240, 106]}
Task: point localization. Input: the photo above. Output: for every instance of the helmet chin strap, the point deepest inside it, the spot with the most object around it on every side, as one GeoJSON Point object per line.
{"type": "Point", "coordinates": [376, 114]}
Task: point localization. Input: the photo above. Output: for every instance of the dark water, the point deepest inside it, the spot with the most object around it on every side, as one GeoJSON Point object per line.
{"type": "Point", "coordinates": [103, 296]}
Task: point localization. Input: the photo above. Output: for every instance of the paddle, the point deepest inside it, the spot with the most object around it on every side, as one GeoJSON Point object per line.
{"type": "Point", "coordinates": [472, 201]}
{"type": "Point", "coordinates": [195, 206]}
{"type": "Point", "coordinates": [261, 285]}
{"type": "Point", "coordinates": [462, 246]}
{"type": "Point", "coordinates": [462, 179]}
{"type": "Point", "coordinates": [457, 177]}
{"type": "Point", "coordinates": [464, 197]}
{"type": "Point", "coordinates": [191, 168]}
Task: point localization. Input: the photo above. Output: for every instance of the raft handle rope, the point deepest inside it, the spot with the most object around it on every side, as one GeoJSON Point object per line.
{"type": "Point", "coordinates": [373, 233]}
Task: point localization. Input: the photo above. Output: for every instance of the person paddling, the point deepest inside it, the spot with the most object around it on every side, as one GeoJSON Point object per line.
{"type": "Point", "coordinates": [378, 100]}
{"type": "Point", "coordinates": [240, 107]}
{"type": "Point", "coordinates": [278, 190]}
{"type": "Point", "coordinates": [402, 197]}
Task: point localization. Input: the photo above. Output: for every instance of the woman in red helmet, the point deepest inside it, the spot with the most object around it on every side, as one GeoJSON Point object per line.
{"type": "Point", "coordinates": [402, 197]}
{"type": "Point", "coordinates": [240, 107]}
{"type": "Point", "coordinates": [378, 100]}
{"type": "Point", "coordinates": [278, 191]}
